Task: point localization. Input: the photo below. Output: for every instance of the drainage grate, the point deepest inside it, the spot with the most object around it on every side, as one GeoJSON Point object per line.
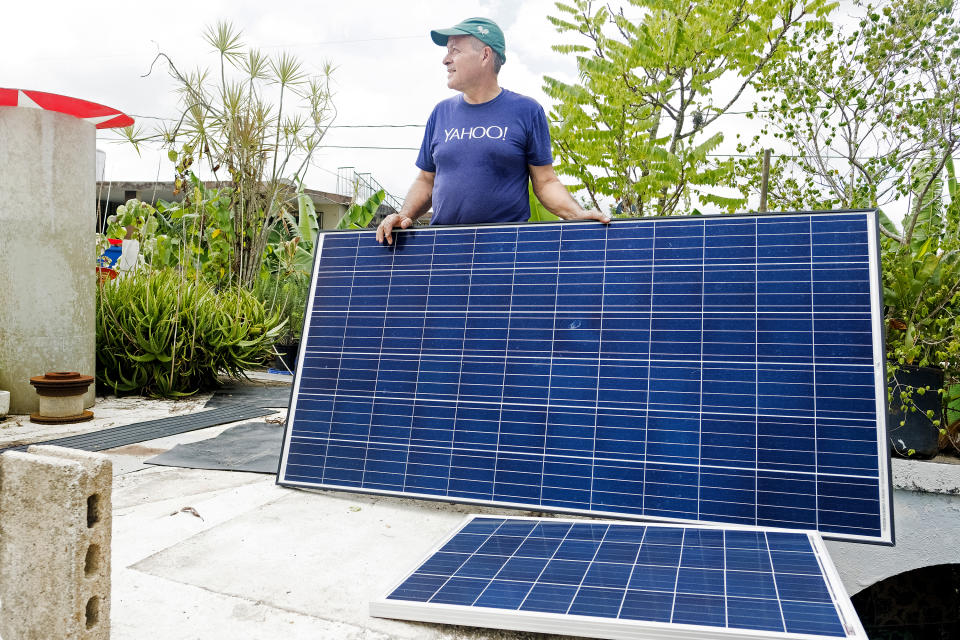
{"type": "Point", "coordinates": [152, 429]}
{"type": "Point", "coordinates": [261, 395]}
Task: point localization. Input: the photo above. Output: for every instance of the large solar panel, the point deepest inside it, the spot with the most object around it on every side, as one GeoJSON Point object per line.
{"type": "Point", "coordinates": [714, 369]}
{"type": "Point", "coordinates": [618, 580]}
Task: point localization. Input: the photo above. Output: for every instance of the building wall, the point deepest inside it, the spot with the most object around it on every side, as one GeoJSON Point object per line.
{"type": "Point", "coordinates": [926, 509]}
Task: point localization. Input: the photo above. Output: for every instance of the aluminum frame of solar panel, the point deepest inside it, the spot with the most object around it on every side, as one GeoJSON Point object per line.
{"type": "Point", "coordinates": [627, 580]}
{"type": "Point", "coordinates": [777, 489]}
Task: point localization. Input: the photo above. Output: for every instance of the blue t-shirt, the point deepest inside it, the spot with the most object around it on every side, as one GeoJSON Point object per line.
{"type": "Point", "coordinates": [480, 153]}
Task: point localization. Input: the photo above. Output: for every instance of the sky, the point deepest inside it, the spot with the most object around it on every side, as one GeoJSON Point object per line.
{"type": "Point", "coordinates": [388, 71]}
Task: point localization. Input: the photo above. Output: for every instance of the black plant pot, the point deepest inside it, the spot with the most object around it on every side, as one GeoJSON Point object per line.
{"type": "Point", "coordinates": [918, 432]}
{"type": "Point", "coordinates": [286, 358]}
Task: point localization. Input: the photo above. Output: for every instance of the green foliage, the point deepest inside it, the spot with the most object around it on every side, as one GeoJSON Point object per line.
{"type": "Point", "coordinates": [258, 120]}
{"type": "Point", "coordinates": [194, 235]}
{"type": "Point", "coordinates": [359, 216]}
{"type": "Point", "coordinates": [284, 294]}
{"type": "Point", "coordinates": [869, 116]}
{"type": "Point", "coordinates": [642, 120]}
{"type": "Point", "coordinates": [160, 334]}
{"type": "Point", "coordinates": [287, 266]}
{"type": "Point", "coordinates": [921, 289]}
{"type": "Point", "coordinates": [860, 114]}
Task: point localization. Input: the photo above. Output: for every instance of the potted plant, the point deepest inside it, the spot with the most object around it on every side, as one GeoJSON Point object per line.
{"type": "Point", "coordinates": [921, 286]}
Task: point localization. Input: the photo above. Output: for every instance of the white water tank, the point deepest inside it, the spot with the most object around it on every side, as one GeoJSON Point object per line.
{"type": "Point", "coordinates": [47, 238]}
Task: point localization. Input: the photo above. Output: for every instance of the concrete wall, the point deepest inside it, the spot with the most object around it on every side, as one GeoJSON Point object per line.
{"type": "Point", "coordinates": [329, 214]}
{"type": "Point", "coordinates": [47, 249]}
{"type": "Point", "coordinates": [926, 515]}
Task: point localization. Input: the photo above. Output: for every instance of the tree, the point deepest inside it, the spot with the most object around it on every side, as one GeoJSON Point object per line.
{"type": "Point", "coordinates": [640, 122]}
{"type": "Point", "coordinates": [263, 141]}
{"type": "Point", "coordinates": [868, 115]}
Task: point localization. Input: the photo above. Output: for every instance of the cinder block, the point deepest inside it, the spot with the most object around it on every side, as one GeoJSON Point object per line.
{"type": "Point", "coordinates": [55, 525]}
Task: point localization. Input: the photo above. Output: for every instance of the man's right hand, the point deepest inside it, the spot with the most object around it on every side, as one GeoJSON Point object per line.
{"type": "Point", "coordinates": [389, 223]}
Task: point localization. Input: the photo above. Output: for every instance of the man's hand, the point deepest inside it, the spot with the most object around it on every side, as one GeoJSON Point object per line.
{"type": "Point", "coordinates": [389, 223]}
{"type": "Point", "coordinates": [591, 214]}
{"type": "Point", "coordinates": [415, 205]}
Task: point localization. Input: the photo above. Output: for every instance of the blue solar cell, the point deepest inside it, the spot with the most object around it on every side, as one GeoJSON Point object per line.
{"type": "Point", "coordinates": [577, 549]}
{"type": "Point", "coordinates": [607, 574]}
{"type": "Point", "coordinates": [444, 563]}
{"type": "Point", "coordinates": [549, 598]}
{"type": "Point", "coordinates": [462, 591]}
{"type": "Point", "coordinates": [653, 577]}
{"type": "Point", "coordinates": [481, 566]}
{"type": "Point", "coordinates": [564, 572]}
{"type": "Point", "coordinates": [655, 606]}
{"type": "Point", "coordinates": [705, 610]}
{"type": "Point", "coordinates": [742, 593]}
{"type": "Point", "coordinates": [709, 369]}
{"type": "Point", "coordinates": [700, 581]}
{"type": "Point", "coordinates": [663, 555]}
{"type": "Point", "coordinates": [419, 587]}
{"type": "Point", "coordinates": [599, 602]}
{"type": "Point", "coordinates": [752, 613]}
{"type": "Point", "coordinates": [621, 552]}
{"type": "Point", "coordinates": [812, 618]}
{"type": "Point", "coordinates": [523, 569]}
{"type": "Point", "coordinates": [750, 584]}
{"type": "Point", "coordinates": [503, 594]}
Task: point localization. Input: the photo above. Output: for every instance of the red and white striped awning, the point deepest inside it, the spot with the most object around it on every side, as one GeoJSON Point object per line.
{"type": "Point", "coordinates": [96, 114]}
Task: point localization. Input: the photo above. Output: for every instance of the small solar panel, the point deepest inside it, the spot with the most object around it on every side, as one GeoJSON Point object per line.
{"type": "Point", "coordinates": [711, 369]}
{"type": "Point", "coordinates": [627, 580]}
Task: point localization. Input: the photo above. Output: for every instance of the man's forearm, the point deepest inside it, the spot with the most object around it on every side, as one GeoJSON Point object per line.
{"type": "Point", "coordinates": [418, 199]}
{"type": "Point", "coordinates": [555, 197]}
{"type": "Point", "coordinates": [558, 201]}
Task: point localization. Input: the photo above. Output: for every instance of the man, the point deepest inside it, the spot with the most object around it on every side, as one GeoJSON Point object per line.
{"type": "Point", "coordinates": [482, 146]}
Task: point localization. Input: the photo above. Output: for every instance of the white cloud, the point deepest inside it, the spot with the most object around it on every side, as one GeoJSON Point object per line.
{"type": "Point", "coordinates": [389, 71]}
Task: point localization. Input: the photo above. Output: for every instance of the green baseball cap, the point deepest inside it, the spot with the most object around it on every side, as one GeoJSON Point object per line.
{"type": "Point", "coordinates": [483, 29]}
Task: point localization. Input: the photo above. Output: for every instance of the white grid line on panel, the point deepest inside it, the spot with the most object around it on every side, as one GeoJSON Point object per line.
{"type": "Point", "coordinates": [333, 406]}
{"type": "Point", "coordinates": [503, 385]}
{"type": "Point", "coordinates": [416, 383]}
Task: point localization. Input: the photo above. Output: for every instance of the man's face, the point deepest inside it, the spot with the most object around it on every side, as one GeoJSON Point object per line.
{"type": "Point", "coordinates": [463, 63]}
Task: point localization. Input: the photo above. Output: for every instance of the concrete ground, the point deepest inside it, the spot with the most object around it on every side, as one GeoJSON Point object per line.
{"type": "Point", "coordinates": [215, 554]}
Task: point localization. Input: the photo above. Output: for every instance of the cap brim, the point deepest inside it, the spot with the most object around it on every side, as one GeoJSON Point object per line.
{"type": "Point", "coordinates": [440, 36]}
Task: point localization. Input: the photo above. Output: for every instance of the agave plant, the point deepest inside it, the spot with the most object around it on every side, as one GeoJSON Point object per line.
{"type": "Point", "coordinates": [161, 334]}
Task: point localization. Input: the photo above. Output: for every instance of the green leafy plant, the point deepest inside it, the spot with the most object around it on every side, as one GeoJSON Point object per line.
{"type": "Point", "coordinates": [258, 120]}
{"type": "Point", "coordinates": [194, 235]}
{"type": "Point", "coordinates": [286, 297]}
{"type": "Point", "coordinates": [160, 334]}
{"type": "Point", "coordinates": [641, 121]}
{"type": "Point", "coordinates": [921, 284]}
{"type": "Point", "coordinates": [359, 216]}
{"type": "Point", "coordinates": [287, 267]}
{"type": "Point", "coordinates": [857, 114]}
